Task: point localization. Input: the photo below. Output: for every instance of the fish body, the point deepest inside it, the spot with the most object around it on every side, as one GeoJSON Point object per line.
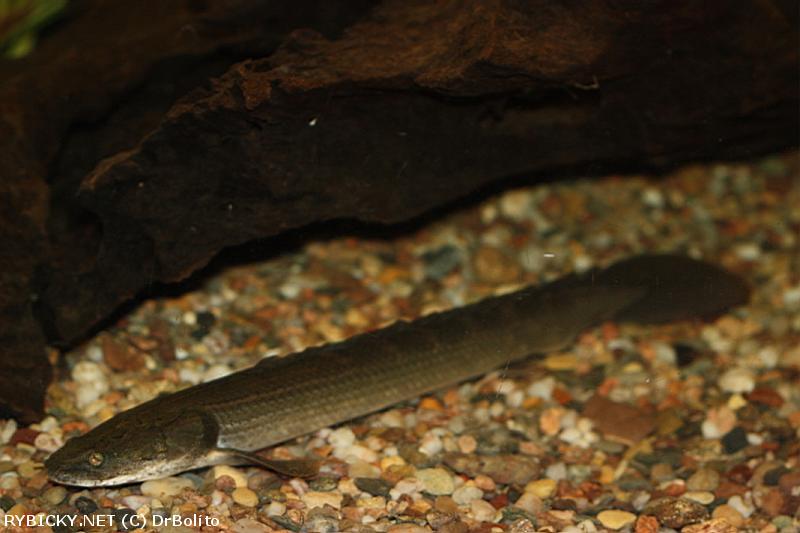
{"type": "Point", "coordinates": [224, 420]}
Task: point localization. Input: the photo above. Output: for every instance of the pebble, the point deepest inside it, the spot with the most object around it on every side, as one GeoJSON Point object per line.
{"type": "Point", "coordinates": [542, 488]}
{"type": "Point", "coordinates": [493, 266]}
{"type": "Point", "coordinates": [342, 437]}
{"type": "Point", "coordinates": [516, 205]}
{"type": "Point", "coordinates": [408, 528]}
{"type": "Point", "coordinates": [170, 486]}
{"type": "Point", "coordinates": [430, 444]}
{"type": "Point", "coordinates": [464, 495]}
{"type": "Point", "coordinates": [245, 497]}
{"type": "Point", "coordinates": [436, 481]}
{"type": "Point", "coordinates": [376, 487]}
{"type": "Point", "coordinates": [745, 509]}
{"type": "Point", "coordinates": [248, 525]}
{"type": "Point", "coordinates": [320, 499]}
{"type": "Point", "coordinates": [704, 479]}
{"type": "Point", "coordinates": [363, 469]}
{"type": "Point", "coordinates": [276, 508]}
{"type": "Point", "coordinates": [530, 503]}
{"type": "Point", "coordinates": [556, 471]}
{"type": "Point", "coordinates": [702, 497]}
{"type": "Point", "coordinates": [482, 511]}
{"type": "Point", "coordinates": [92, 383]}
{"type": "Point", "coordinates": [615, 519]}
{"type": "Point", "coordinates": [504, 469]}
{"type": "Point", "coordinates": [676, 512]}
{"type": "Point", "coordinates": [55, 495]}
{"type": "Point", "coordinates": [718, 422]}
{"type": "Point", "coordinates": [737, 380]}
{"type": "Point", "coordinates": [238, 477]}
{"type": "Point", "coordinates": [711, 526]}
{"type": "Point", "coordinates": [85, 505]}
{"type": "Point", "coordinates": [729, 514]}
{"type": "Point", "coordinates": [734, 440]}
{"type": "Point", "coordinates": [467, 444]}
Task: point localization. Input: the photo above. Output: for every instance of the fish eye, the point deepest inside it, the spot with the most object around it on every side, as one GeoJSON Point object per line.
{"type": "Point", "coordinates": [96, 458]}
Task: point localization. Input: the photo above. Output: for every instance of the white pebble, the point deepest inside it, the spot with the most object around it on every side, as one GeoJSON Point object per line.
{"type": "Point", "coordinates": [516, 205]}
{"type": "Point", "coordinates": [47, 442]}
{"type": "Point", "coordinates": [739, 504]}
{"type": "Point", "coordinates": [557, 471]}
{"type": "Point", "coordinates": [430, 444]}
{"type": "Point", "coordinates": [92, 383]}
{"type": "Point", "coordinates": [354, 453]}
{"type": "Point", "coordinates": [410, 486]}
{"type": "Point", "coordinates": [542, 389]}
{"type": "Point", "coordinates": [216, 372]}
{"type": "Point", "coordinates": [342, 437]}
{"type": "Point", "coordinates": [276, 509]}
{"type": "Point", "coordinates": [653, 198]}
{"type": "Point", "coordinates": [737, 380]}
{"type": "Point", "coordinates": [190, 375]}
{"type": "Point", "coordinates": [748, 251]}
{"type": "Point", "coordinates": [8, 430]}
{"type": "Point", "coordinates": [791, 298]}
{"type": "Point", "coordinates": [392, 419]}
{"type": "Point", "coordinates": [482, 511]}
{"type": "Point", "coordinates": [87, 372]}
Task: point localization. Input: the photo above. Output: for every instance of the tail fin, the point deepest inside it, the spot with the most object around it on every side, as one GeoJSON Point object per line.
{"type": "Point", "coordinates": [677, 288]}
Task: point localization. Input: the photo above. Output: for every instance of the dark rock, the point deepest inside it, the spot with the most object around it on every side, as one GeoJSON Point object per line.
{"type": "Point", "coordinates": [376, 487]}
{"type": "Point", "coordinates": [6, 502]}
{"type": "Point", "coordinates": [676, 512]}
{"type": "Point", "coordinates": [734, 440]}
{"type": "Point", "coordinates": [85, 505]}
{"type": "Point", "coordinates": [118, 67]}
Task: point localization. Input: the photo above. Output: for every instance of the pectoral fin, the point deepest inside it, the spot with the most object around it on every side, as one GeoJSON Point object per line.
{"type": "Point", "coordinates": [303, 468]}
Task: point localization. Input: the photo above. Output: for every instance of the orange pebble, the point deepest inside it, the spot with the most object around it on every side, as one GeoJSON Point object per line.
{"type": "Point", "coordinates": [610, 331]}
{"type": "Point", "coordinates": [531, 402]}
{"type": "Point", "coordinates": [607, 386]}
{"type": "Point", "coordinates": [562, 396]}
{"type": "Point", "coordinates": [431, 403]}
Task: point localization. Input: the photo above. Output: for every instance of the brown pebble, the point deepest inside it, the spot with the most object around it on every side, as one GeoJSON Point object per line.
{"type": "Point", "coordinates": [676, 512]}
{"type": "Point", "coordinates": [445, 504]}
{"type": "Point", "coordinates": [705, 479]}
{"type": "Point", "coordinates": [765, 396]}
{"type": "Point", "coordinates": [726, 489]}
{"type": "Point", "coordinates": [505, 469]}
{"type": "Point", "coordinates": [728, 514]}
{"type": "Point", "coordinates": [37, 481]}
{"type": "Point", "coordinates": [646, 524]}
{"type": "Point", "coordinates": [621, 421]}
{"type": "Point", "coordinates": [24, 435]}
{"type": "Point", "coordinates": [493, 266]}
{"type": "Point", "coordinates": [225, 483]}
{"type": "Point", "coordinates": [662, 472]}
{"type": "Point", "coordinates": [119, 356]}
{"type": "Point", "coordinates": [454, 527]}
{"type": "Point", "coordinates": [772, 502]}
{"type": "Point", "coordinates": [789, 480]}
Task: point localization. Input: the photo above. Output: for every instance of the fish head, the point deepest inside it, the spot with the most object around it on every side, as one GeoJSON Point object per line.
{"type": "Point", "coordinates": [129, 448]}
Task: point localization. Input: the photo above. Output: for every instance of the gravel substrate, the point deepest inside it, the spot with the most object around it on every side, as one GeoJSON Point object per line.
{"type": "Point", "coordinates": [686, 427]}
